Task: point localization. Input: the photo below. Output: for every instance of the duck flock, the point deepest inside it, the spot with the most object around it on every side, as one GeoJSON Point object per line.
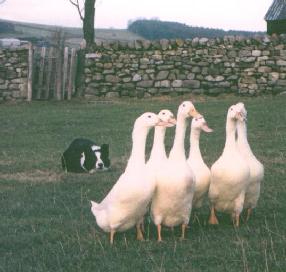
{"type": "Point", "coordinates": [170, 186]}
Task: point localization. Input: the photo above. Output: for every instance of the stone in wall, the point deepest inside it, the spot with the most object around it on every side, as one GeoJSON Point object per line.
{"type": "Point", "coordinates": [13, 73]}
{"type": "Point", "coordinates": [230, 64]}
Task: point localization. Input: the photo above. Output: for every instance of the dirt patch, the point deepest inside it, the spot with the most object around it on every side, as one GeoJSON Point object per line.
{"type": "Point", "coordinates": [5, 162]}
{"type": "Point", "coordinates": [34, 177]}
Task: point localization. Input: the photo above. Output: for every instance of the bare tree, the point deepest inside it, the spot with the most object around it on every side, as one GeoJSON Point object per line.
{"type": "Point", "coordinates": [88, 9]}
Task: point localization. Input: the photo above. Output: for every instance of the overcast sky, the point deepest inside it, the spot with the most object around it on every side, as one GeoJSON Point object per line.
{"type": "Point", "coordinates": [225, 14]}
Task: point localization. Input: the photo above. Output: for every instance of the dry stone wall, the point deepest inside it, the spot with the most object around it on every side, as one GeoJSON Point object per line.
{"type": "Point", "coordinates": [13, 73]}
{"type": "Point", "coordinates": [249, 66]}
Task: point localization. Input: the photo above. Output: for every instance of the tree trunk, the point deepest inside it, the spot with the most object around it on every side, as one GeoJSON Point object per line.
{"type": "Point", "coordinates": [88, 22]}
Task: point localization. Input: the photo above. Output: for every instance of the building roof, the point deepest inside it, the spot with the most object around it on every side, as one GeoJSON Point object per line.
{"type": "Point", "coordinates": [277, 11]}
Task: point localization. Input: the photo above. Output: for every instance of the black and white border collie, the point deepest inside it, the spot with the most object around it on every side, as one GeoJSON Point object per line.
{"type": "Point", "coordinates": [84, 155]}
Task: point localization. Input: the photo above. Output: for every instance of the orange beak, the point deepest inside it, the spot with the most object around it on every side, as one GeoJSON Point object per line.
{"type": "Point", "coordinates": [194, 113]}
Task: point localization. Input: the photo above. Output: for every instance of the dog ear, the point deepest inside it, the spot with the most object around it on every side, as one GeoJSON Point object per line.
{"type": "Point", "coordinates": [105, 149]}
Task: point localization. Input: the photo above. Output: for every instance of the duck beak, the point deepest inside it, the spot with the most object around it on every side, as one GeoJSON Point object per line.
{"type": "Point", "coordinates": [172, 122]}
{"type": "Point", "coordinates": [161, 123]}
{"type": "Point", "coordinates": [241, 116]}
{"type": "Point", "coordinates": [194, 113]}
{"type": "Point", "coordinates": [206, 128]}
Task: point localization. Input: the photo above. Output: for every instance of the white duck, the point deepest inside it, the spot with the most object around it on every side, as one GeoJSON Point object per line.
{"type": "Point", "coordinates": [256, 168]}
{"type": "Point", "coordinates": [172, 200]}
{"type": "Point", "coordinates": [127, 202]}
{"type": "Point", "coordinates": [158, 156]}
{"type": "Point", "coordinates": [229, 174]}
{"type": "Point", "coordinates": [196, 162]}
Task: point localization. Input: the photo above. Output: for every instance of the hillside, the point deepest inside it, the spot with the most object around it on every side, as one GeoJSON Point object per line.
{"type": "Point", "coordinates": [138, 30]}
{"type": "Point", "coordinates": [34, 32]}
{"type": "Point", "coordinates": [155, 29]}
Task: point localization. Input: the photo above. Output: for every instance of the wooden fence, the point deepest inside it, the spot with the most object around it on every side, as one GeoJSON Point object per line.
{"type": "Point", "coordinates": [52, 73]}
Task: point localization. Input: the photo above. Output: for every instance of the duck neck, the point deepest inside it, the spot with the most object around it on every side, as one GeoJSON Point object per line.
{"type": "Point", "coordinates": [195, 151]}
{"type": "Point", "coordinates": [230, 135]}
{"type": "Point", "coordinates": [242, 141]}
{"type": "Point", "coordinates": [137, 157]}
{"type": "Point", "coordinates": [178, 149]}
{"type": "Point", "coordinates": [158, 149]}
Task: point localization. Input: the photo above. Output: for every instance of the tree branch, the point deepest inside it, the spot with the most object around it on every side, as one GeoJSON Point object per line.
{"type": "Point", "coordinates": [76, 4]}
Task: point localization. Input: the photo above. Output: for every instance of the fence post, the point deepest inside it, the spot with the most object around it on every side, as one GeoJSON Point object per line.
{"type": "Point", "coordinates": [71, 84]}
{"type": "Point", "coordinates": [30, 73]}
{"type": "Point", "coordinates": [41, 73]}
{"type": "Point", "coordinates": [79, 80]}
{"type": "Point", "coordinates": [49, 73]}
{"type": "Point", "coordinates": [59, 70]}
{"type": "Point", "coordinates": [65, 71]}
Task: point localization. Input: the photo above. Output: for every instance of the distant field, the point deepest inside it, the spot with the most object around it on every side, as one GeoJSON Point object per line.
{"type": "Point", "coordinates": [46, 223]}
{"type": "Point", "coordinates": [28, 30]}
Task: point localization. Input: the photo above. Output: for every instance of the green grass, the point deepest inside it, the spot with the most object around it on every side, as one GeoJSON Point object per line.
{"type": "Point", "coordinates": [45, 218]}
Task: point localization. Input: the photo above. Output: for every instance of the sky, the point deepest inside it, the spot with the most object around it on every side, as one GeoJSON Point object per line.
{"type": "Point", "coordinates": [224, 14]}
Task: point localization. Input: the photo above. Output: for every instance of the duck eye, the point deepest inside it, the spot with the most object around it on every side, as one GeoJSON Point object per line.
{"type": "Point", "coordinates": [196, 119]}
{"type": "Point", "coordinates": [184, 105]}
{"type": "Point", "coordinates": [164, 113]}
{"type": "Point", "coordinates": [149, 116]}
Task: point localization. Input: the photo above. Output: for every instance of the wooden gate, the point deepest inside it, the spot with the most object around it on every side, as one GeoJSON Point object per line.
{"type": "Point", "coordinates": [53, 73]}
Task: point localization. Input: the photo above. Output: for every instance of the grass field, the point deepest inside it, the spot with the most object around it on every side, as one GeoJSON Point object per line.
{"type": "Point", "coordinates": [46, 223]}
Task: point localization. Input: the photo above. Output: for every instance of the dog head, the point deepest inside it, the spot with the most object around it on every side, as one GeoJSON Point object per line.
{"type": "Point", "coordinates": [102, 161]}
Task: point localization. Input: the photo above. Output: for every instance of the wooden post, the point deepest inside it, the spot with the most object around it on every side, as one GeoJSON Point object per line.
{"type": "Point", "coordinates": [59, 71]}
{"type": "Point", "coordinates": [41, 73]}
{"type": "Point", "coordinates": [30, 73]}
{"type": "Point", "coordinates": [79, 79]}
{"type": "Point", "coordinates": [49, 73]}
{"type": "Point", "coordinates": [71, 84]}
{"type": "Point", "coordinates": [65, 71]}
